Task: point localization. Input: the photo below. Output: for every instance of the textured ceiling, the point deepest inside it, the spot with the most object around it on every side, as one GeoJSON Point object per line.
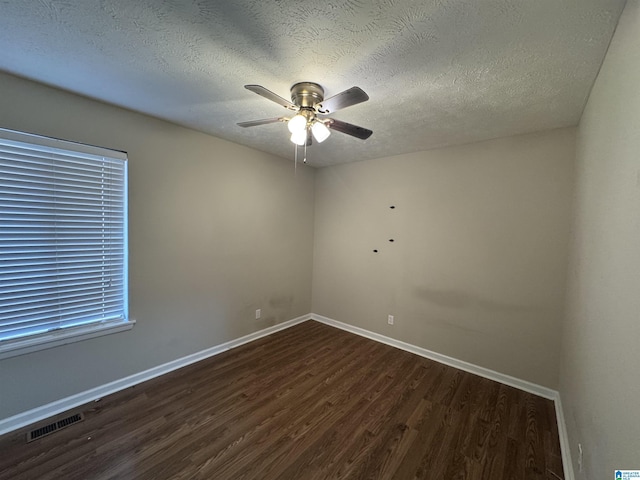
{"type": "Point", "coordinates": [438, 72]}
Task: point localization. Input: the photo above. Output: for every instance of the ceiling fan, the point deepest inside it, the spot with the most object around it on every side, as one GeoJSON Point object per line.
{"type": "Point", "coordinates": [310, 106]}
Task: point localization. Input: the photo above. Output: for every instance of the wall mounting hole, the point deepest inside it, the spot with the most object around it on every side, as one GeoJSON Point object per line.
{"type": "Point", "coordinates": [391, 240]}
{"type": "Point", "coordinates": [375, 251]}
{"type": "Point", "coordinates": [392, 206]}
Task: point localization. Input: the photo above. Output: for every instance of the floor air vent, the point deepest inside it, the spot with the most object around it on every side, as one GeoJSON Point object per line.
{"type": "Point", "coordinates": [54, 427]}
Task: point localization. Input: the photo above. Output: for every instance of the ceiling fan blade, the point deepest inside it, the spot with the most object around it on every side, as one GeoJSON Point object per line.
{"type": "Point", "coordinates": [265, 121]}
{"type": "Point", "coordinates": [345, 99]}
{"type": "Point", "coordinates": [269, 95]}
{"type": "Point", "coordinates": [349, 129]}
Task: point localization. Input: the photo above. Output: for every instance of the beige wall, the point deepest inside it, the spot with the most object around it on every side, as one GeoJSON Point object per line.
{"type": "Point", "coordinates": [478, 266]}
{"type": "Point", "coordinates": [600, 363]}
{"type": "Point", "coordinates": [217, 230]}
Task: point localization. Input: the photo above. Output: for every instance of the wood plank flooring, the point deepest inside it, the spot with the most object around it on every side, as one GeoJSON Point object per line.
{"type": "Point", "coordinates": [310, 402]}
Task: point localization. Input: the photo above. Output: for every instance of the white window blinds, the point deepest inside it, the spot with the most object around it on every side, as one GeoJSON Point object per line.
{"type": "Point", "coordinates": [63, 236]}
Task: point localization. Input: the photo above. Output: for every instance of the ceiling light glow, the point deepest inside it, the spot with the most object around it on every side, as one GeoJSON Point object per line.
{"type": "Point", "coordinates": [299, 137]}
{"type": "Point", "coordinates": [297, 124]}
{"type": "Point", "coordinates": [320, 131]}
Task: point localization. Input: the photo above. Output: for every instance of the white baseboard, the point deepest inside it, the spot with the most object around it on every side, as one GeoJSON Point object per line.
{"type": "Point", "coordinates": [54, 408]}
{"type": "Point", "coordinates": [564, 440]}
{"type": "Point", "coordinates": [438, 357]}
{"type": "Point", "coordinates": [477, 370]}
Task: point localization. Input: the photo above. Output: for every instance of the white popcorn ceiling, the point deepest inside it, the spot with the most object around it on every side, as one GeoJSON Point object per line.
{"type": "Point", "coordinates": [438, 72]}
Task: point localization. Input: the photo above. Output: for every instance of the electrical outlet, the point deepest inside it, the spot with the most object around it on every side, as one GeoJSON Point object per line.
{"type": "Point", "coordinates": [390, 320]}
{"type": "Point", "coordinates": [258, 314]}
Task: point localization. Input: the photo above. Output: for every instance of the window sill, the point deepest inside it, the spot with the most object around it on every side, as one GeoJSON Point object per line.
{"type": "Point", "coordinates": [63, 337]}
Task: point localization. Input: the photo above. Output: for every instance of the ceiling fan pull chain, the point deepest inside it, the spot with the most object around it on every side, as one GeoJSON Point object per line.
{"type": "Point", "coordinates": [295, 159]}
{"type": "Point", "coordinates": [305, 152]}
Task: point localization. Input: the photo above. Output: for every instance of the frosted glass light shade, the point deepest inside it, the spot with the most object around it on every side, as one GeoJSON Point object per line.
{"type": "Point", "coordinates": [320, 132]}
{"type": "Point", "coordinates": [297, 124]}
{"type": "Point", "coordinates": [299, 137]}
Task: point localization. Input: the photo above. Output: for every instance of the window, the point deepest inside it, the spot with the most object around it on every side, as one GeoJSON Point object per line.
{"type": "Point", "coordinates": [63, 242]}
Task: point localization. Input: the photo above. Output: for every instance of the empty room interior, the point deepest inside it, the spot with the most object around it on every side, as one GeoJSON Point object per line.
{"type": "Point", "coordinates": [439, 280]}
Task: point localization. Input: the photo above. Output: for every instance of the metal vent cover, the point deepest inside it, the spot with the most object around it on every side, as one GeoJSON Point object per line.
{"type": "Point", "coordinates": [54, 427]}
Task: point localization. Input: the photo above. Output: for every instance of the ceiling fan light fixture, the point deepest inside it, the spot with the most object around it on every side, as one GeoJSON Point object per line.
{"type": "Point", "coordinates": [320, 131]}
{"type": "Point", "coordinates": [297, 124]}
{"type": "Point", "coordinates": [307, 103]}
{"type": "Point", "coordinates": [299, 137]}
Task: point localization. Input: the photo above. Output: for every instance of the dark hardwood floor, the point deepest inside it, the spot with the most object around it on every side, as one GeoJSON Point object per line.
{"type": "Point", "coordinates": [310, 402]}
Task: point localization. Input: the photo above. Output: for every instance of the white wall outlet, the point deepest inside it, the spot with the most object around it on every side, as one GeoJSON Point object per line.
{"type": "Point", "coordinates": [390, 320]}
{"type": "Point", "coordinates": [258, 314]}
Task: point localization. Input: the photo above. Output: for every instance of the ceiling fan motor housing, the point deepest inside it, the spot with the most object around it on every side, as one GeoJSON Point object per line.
{"type": "Point", "coordinates": [307, 94]}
